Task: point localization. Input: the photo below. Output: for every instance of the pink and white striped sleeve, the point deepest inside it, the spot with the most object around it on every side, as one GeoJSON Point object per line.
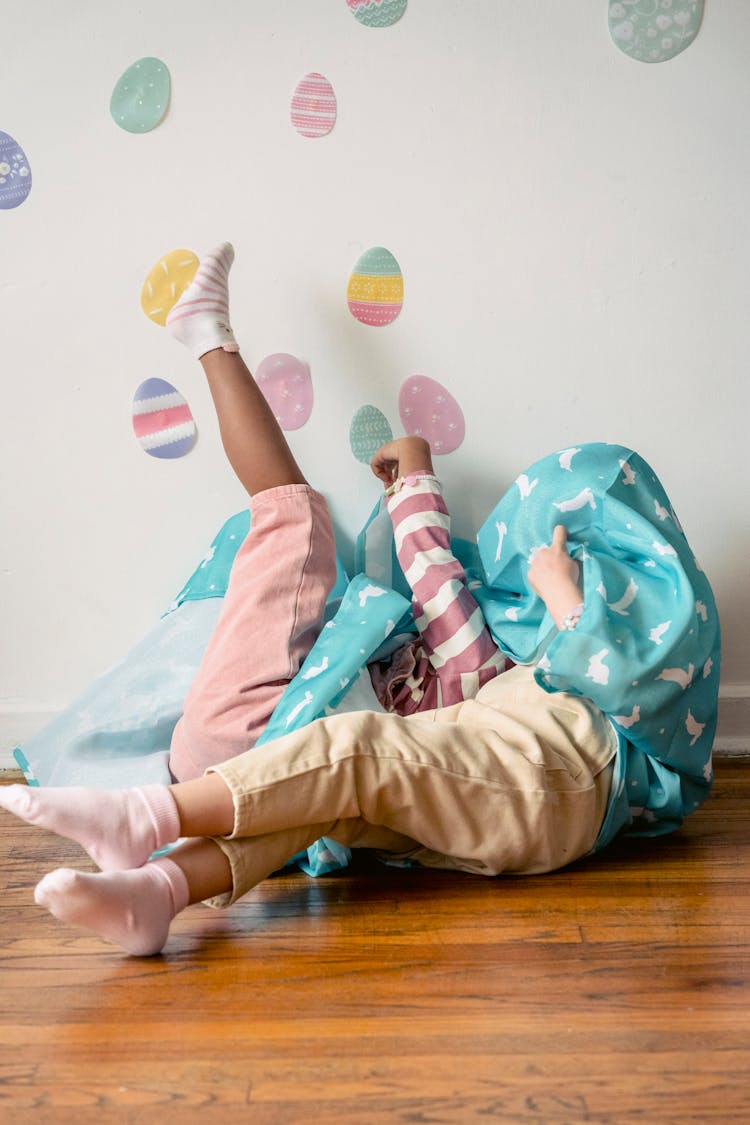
{"type": "Point", "coordinates": [454, 634]}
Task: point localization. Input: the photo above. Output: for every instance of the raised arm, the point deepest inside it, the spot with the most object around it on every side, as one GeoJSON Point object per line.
{"type": "Point", "coordinates": [554, 576]}
{"type": "Point", "coordinates": [455, 641]}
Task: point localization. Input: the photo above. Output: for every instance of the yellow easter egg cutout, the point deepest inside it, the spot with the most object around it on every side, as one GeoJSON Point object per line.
{"type": "Point", "coordinates": [166, 282]}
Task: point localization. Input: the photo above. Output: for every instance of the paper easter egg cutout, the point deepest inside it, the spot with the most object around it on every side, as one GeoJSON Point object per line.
{"type": "Point", "coordinates": [313, 110]}
{"type": "Point", "coordinates": [368, 430]}
{"type": "Point", "coordinates": [141, 96]}
{"type": "Point", "coordinates": [377, 13]}
{"type": "Point", "coordinates": [162, 420]}
{"type": "Point", "coordinates": [287, 386]}
{"type": "Point", "coordinates": [428, 410]}
{"type": "Point", "coordinates": [654, 33]}
{"type": "Point", "coordinates": [375, 293]}
{"type": "Point", "coordinates": [166, 282]}
{"type": "Point", "coordinates": [15, 173]}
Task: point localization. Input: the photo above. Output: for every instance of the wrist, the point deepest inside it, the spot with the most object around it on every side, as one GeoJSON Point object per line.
{"type": "Point", "coordinates": [564, 603]}
{"type": "Point", "coordinates": [571, 619]}
{"type": "Point", "coordinates": [414, 457]}
{"type": "Point", "coordinates": [411, 480]}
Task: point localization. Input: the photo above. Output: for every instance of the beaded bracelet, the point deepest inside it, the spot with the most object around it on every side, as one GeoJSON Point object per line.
{"type": "Point", "coordinates": [570, 620]}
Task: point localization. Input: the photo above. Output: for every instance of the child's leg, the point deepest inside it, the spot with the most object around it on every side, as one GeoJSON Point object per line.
{"type": "Point", "coordinates": [520, 785]}
{"type": "Point", "coordinates": [504, 782]}
{"type": "Point", "coordinates": [252, 438]}
{"type": "Point", "coordinates": [135, 908]}
{"type": "Point", "coordinates": [515, 780]}
{"type": "Point", "coordinates": [281, 577]}
{"type": "Point", "coordinates": [272, 613]}
{"type": "Point", "coordinates": [120, 828]}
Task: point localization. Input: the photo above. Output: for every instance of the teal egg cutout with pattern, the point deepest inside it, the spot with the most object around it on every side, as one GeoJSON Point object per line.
{"type": "Point", "coordinates": [377, 13]}
{"type": "Point", "coordinates": [141, 97]}
{"type": "Point", "coordinates": [368, 430]}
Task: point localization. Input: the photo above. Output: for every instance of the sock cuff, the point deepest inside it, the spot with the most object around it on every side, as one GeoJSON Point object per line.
{"type": "Point", "coordinates": [176, 879]}
{"type": "Point", "coordinates": [213, 343]}
{"type": "Point", "coordinates": [163, 813]}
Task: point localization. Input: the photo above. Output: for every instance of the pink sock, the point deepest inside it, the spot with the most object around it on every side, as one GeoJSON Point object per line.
{"type": "Point", "coordinates": [200, 319]}
{"type": "Point", "coordinates": [133, 909]}
{"type": "Point", "coordinates": [119, 828]}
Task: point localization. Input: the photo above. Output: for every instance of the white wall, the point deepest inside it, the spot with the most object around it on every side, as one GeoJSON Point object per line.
{"type": "Point", "coordinates": [573, 228]}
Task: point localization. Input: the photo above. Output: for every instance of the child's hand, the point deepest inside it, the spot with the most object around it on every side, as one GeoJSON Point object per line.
{"type": "Point", "coordinates": [553, 575]}
{"type": "Point", "coordinates": [400, 457]}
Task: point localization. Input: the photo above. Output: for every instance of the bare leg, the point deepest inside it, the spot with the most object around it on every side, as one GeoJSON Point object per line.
{"type": "Point", "coordinates": [206, 869]}
{"type": "Point", "coordinates": [204, 805]}
{"type": "Point", "coordinates": [252, 438]}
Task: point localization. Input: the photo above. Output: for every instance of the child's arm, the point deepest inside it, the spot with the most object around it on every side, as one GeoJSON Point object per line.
{"type": "Point", "coordinates": [554, 576]}
{"type": "Point", "coordinates": [455, 640]}
{"type": "Point", "coordinates": [401, 458]}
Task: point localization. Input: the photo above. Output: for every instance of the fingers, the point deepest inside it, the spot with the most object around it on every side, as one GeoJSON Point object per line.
{"type": "Point", "coordinates": [560, 537]}
{"type": "Point", "coordinates": [385, 462]}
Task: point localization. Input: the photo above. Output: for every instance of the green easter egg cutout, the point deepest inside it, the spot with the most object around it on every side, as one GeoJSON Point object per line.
{"type": "Point", "coordinates": [141, 97]}
{"type": "Point", "coordinates": [369, 429]}
{"type": "Point", "coordinates": [377, 13]}
{"type": "Point", "coordinates": [654, 31]}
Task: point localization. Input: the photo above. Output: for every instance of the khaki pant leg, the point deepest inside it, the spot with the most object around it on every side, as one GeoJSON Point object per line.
{"type": "Point", "coordinates": [254, 858]}
{"type": "Point", "coordinates": [519, 786]}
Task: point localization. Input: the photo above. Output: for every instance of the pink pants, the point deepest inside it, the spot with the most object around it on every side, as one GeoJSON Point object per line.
{"type": "Point", "coordinates": [272, 614]}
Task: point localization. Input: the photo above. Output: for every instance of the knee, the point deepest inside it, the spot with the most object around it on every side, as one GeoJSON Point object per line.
{"type": "Point", "coordinates": [201, 740]}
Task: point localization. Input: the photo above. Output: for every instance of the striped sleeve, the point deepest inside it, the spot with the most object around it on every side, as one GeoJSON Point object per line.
{"type": "Point", "coordinates": [453, 632]}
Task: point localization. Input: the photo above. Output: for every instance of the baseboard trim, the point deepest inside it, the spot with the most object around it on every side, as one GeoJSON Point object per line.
{"type": "Point", "coordinates": [733, 729]}
{"type": "Point", "coordinates": [18, 724]}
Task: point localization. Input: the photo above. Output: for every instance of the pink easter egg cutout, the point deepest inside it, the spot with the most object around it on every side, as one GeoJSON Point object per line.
{"type": "Point", "coordinates": [427, 410]}
{"type": "Point", "coordinates": [313, 110]}
{"type": "Point", "coordinates": [286, 383]}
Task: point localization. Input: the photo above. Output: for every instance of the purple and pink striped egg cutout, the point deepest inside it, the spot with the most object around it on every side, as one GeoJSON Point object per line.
{"type": "Point", "coordinates": [162, 420]}
{"type": "Point", "coordinates": [313, 109]}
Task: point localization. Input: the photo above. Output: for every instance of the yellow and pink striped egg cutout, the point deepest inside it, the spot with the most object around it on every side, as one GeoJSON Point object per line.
{"type": "Point", "coordinates": [375, 293]}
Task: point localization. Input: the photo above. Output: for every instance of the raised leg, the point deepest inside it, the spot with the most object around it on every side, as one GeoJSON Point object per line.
{"type": "Point", "coordinates": [274, 607]}
{"type": "Point", "coordinates": [252, 438]}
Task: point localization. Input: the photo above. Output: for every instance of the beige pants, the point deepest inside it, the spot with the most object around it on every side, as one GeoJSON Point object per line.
{"type": "Point", "coordinates": [515, 780]}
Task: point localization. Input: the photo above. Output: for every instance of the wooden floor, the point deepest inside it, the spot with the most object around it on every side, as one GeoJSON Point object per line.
{"type": "Point", "coordinates": [615, 991]}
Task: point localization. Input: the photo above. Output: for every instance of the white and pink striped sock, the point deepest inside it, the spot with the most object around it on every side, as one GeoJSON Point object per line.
{"type": "Point", "coordinates": [200, 319]}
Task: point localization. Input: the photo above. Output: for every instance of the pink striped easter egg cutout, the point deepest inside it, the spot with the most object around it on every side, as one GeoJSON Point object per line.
{"type": "Point", "coordinates": [313, 106]}
{"type": "Point", "coordinates": [162, 420]}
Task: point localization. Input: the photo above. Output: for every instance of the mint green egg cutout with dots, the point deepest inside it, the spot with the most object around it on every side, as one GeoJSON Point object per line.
{"type": "Point", "coordinates": [141, 97]}
{"type": "Point", "coordinates": [369, 429]}
{"type": "Point", "coordinates": [653, 31]}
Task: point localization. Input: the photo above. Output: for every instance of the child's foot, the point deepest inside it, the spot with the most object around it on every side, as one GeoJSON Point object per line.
{"type": "Point", "coordinates": [134, 909]}
{"type": "Point", "coordinates": [200, 319]}
{"type": "Point", "coordinates": [119, 828]}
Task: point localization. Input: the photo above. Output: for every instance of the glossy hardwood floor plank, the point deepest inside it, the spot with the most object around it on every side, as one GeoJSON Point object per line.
{"type": "Point", "coordinates": [616, 991]}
